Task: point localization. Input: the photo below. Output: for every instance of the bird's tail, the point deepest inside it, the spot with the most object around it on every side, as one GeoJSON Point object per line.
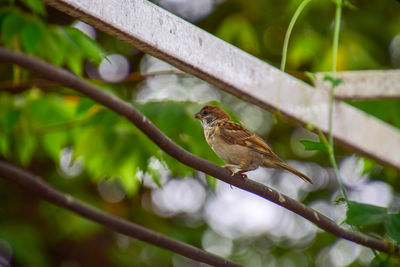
{"type": "Point", "coordinates": [283, 165]}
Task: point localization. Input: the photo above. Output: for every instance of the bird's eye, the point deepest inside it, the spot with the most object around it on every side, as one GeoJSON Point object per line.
{"type": "Point", "coordinates": [204, 112]}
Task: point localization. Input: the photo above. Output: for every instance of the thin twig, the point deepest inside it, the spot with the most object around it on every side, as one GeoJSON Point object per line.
{"type": "Point", "coordinates": [331, 148]}
{"type": "Point", "coordinates": [132, 114]}
{"type": "Point", "coordinates": [289, 32]}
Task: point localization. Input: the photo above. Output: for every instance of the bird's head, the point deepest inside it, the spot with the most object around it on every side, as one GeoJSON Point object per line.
{"type": "Point", "coordinates": [211, 113]}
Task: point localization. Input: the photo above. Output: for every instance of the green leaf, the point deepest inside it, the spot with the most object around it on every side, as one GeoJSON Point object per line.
{"type": "Point", "coordinates": [348, 4]}
{"type": "Point", "coordinates": [26, 145]}
{"type": "Point", "coordinates": [84, 105]}
{"type": "Point", "coordinates": [30, 36]}
{"type": "Point", "coordinates": [340, 201]}
{"type": "Point", "coordinates": [335, 82]}
{"type": "Point", "coordinates": [66, 225]}
{"type": "Point", "coordinates": [360, 214]}
{"type": "Point", "coordinates": [53, 47]}
{"type": "Point", "coordinates": [237, 29]}
{"type": "Point", "coordinates": [48, 111]}
{"type": "Point", "coordinates": [378, 262]}
{"type": "Point", "coordinates": [88, 47]}
{"type": "Point", "coordinates": [155, 176]}
{"type": "Point", "coordinates": [54, 142]}
{"type": "Point", "coordinates": [70, 47]}
{"type": "Point", "coordinates": [4, 146]}
{"type": "Point", "coordinates": [392, 226]}
{"type": "Point", "coordinates": [75, 64]}
{"type": "Point", "coordinates": [368, 165]}
{"type": "Point", "coordinates": [311, 145]}
{"type": "Point", "coordinates": [211, 182]}
{"type": "Point", "coordinates": [12, 25]}
{"type": "Point", "coordinates": [24, 237]}
{"type": "Point", "coordinates": [81, 47]}
{"type": "Point", "coordinates": [128, 177]}
{"type": "Point", "coordinates": [36, 6]}
{"type": "Point", "coordinates": [4, 11]}
{"type": "Point", "coordinates": [11, 118]}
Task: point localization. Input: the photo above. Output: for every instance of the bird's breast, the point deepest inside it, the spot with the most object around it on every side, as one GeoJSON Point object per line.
{"type": "Point", "coordinates": [220, 147]}
{"type": "Point", "coordinates": [231, 153]}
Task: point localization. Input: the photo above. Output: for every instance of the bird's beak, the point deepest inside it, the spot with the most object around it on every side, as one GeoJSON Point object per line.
{"type": "Point", "coordinates": [197, 115]}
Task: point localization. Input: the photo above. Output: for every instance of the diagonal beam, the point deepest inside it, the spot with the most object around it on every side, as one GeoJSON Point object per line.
{"type": "Point", "coordinates": [163, 35]}
{"type": "Point", "coordinates": [369, 84]}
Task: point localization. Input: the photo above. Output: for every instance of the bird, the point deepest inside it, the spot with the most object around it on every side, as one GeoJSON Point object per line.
{"type": "Point", "coordinates": [237, 146]}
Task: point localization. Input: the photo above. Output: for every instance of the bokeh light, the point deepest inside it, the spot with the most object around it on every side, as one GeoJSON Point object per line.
{"type": "Point", "coordinates": [234, 213]}
{"type": "Point", "coordinates": [255, 119]}
{"type": "Point", "coordinates": [394, 206]}
{"type": "Point", "coordinates": [188, 9]}
{"type": "Point", "coordinates": [179, 196]}
{"type": "Point", "coordinates": [324, 207]}
{"type": "Point", "coordinates": [375, 193]}
{"type": "Point", "coordinates": [162, 171]}
{"type": "Point", "coordinates": [69, 166]}
{"type": "Point", "coordinates": [180, 261]}
{"type": "Point", "coordinates": [350, 169]}
{"type": "Point", "coordinates": [343, 252]}
{"type": "Point", "coordinates": [297, 147]}
{"type": "Point", "coordinates": [360, 188]}
{"type": "Point", "coordinates": [365, 256]}
{"type": "Point", "coordinates": [394, 51]}
{"type": "Point", "coordinates": [85, 28]}
{"type": "Point", "coordinates": [5, 253]}
{"type": "Point", "coordinates": [291, 185]}
{"type": "Point", "coordinates": [178, 87]}
{"type": "Point", "coordinates": [216, 244]}
{"type": "Point", "coordinates": [123, 241]}
{"type": "Point", "coordinates": [111, 190]}
{"type": "Point", "coordinates": [114, 68]}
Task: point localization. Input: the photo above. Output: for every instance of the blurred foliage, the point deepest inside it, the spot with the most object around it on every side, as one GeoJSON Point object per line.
{"type": "Point", "coordinates": [28, 32]}
{"type": "Point", "coordinates": [39, 124]}
{"type": "Point", "coordinates": [310, 145]}
{"type": "Point", "coordinates": [360, 214]}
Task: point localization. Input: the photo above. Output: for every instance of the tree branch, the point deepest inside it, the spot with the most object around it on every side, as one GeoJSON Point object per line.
{"type": "Point", "coordinates": [68, 79]}
{"type": "Point", "coordinates": [10, 87]}
{"type": "Point", "coordinates": [36, 185]}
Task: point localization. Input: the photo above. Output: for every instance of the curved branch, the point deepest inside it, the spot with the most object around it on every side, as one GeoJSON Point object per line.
{"type": "Point", "coordinates": [35, 184]}
{"type": "Point", "coordinates": [10, 87]}
{"type": "Point", "coordinates": [68, 79]}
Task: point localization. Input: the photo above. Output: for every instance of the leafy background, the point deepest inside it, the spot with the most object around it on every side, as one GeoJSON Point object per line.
{"type": "Point", "coordinates": [94, 155]}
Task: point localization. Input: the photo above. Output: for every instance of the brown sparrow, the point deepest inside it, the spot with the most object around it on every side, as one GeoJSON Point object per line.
{"type": "Point", "coordinates": [237, 146]}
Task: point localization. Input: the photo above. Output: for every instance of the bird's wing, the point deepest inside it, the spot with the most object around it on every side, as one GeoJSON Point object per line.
{"type": "Point", "coordinates": [235, 133]}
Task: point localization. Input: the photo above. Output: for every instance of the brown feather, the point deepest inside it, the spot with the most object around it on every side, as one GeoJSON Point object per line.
{"type": "Point", "coordinates": [237, 145]}
{"type": "Point", "coordinates": [285, 166]}
{"type": "Point", "coordinates": [235, 133]}
{"type": "Point", "coordinates": [217, 111]}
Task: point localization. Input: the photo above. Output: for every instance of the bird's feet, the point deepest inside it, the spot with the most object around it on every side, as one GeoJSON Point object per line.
{"type": "Point", "coordinates": [241, 173]}
{"type": "Point", "coordinates": [244, 176]}
{"type": "Point", "coordinates": [227, 167]}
